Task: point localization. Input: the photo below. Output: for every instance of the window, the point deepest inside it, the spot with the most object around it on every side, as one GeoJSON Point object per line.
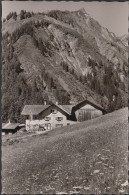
{"type": "Point", "coordinates": [48, 126]}
{"type": "Point", "coordinates": [35, 117]}
{"type": "Point", "coordinates": [54, 111]}
{"type": "Point", "coordinates": [59, 125]}
{"type": "Point", "coordinates": [59, 118]}
{"type": "Point", "coordinates": [47, 118]}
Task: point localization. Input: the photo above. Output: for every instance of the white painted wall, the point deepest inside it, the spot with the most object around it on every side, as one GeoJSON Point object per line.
{"type": "Point", "coordinates": [52, 122]}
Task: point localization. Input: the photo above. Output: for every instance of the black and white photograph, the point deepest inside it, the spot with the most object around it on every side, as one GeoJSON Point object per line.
{"type": "Point", "coordinates": [64, 97]}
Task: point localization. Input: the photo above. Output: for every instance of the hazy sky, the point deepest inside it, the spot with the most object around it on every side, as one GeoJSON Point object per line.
{"type": "Point", "coordinates": [112, 15]}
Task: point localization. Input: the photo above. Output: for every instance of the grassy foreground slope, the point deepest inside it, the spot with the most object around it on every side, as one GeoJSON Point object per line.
{"type": "Point", "coordinates": [90, 157]}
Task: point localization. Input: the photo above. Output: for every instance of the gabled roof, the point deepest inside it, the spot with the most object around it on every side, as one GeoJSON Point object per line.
{"type": "Point", "coordinates": [91, 102]}
{"type": "Point", "coordinates": [10, 125]}
{"type": "Point", "coordinates": [66, 108]}
{"type": "Point", "coordinates": [37, 109]}
{"type": "Point", "coordinates": [34, 109]}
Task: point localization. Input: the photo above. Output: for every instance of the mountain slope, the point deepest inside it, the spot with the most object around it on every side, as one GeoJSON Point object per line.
{"type": "Point", "coordinates": [61, 56]}
{"type": "Point", "coordinates": [124, 39]}
{"type": "Point", "coordinates": [89, 157]}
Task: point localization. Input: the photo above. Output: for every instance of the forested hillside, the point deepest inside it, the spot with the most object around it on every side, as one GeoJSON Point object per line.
{"type": "Point", "coordinates": [60, 56]}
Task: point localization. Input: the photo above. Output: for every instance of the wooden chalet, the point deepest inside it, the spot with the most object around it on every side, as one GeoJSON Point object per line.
{"type": "Point", "coordinates": [47, 117]}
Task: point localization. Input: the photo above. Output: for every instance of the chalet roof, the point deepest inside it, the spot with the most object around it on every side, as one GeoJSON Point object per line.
{"type": "Point", "coordinates": [34, 109]}
{"type": "Point", "coordinates": [91, 102]}
{"type": "Point", "coordinates": [10, 125]}
{"type": "Point", "coordinates": [66, 108]}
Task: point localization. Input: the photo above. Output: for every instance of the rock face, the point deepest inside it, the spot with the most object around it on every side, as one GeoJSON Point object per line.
{"type": "Point", "coordinates": [125, 39]}
{"type": "Point", "coordinates": [61, 56]}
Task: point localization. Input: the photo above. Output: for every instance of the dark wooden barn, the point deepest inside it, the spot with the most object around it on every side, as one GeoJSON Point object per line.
{"type": "Point", "coordinates": [87, 110]}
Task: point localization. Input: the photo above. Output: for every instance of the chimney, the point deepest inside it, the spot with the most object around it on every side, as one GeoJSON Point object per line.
{"type": "Point", "coordinates": [56, 103]}
{"type": "Point", "coordinates": [9, 121]}
{"type": "Point", "coordinates": [45, 102]}
{"type": "Point", "coordinates": [113, 98]}
{"type": "Point", "coordinates": [31, 116]}
{"type": "Point", "coordinates": [72, 102]}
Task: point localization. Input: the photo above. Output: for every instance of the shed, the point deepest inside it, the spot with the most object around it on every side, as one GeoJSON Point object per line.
{"type": "Point", "coordinates": [86, 110]}
{"type": "Point", "coordinates": [10, 127]}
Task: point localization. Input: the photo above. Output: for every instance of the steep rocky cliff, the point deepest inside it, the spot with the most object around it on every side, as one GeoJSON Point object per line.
{"type": "Point", "coordinates": [61, 56]}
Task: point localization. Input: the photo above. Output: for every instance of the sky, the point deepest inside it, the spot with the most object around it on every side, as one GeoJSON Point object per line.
{"type": "Point", "coordinates": [112, 15]}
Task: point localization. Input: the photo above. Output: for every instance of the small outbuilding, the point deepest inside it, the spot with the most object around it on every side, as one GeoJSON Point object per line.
{"type": "Point", "coordinates": [10, 128]}
{"type": "Point", "coordinates": [86, 110]}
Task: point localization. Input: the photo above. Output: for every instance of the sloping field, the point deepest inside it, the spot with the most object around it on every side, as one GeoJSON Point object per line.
{"type": "Point", "coordinates": [89, 157]}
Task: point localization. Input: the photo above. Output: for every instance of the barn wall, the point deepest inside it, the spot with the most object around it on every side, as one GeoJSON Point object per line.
{"type": "Point", "coordinates": [87, 112]}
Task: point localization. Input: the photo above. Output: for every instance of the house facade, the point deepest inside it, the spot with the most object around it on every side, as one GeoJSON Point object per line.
{"type": "Point", "coordinates": [47, 117]}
